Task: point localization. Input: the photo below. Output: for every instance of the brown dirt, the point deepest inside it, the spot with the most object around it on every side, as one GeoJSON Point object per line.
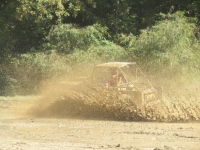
{"type": "Point", "coordinates": [20, 131]}
{"type": "Point", "coordinates": [88, 101]}
{"type": "Point", "coordinates": [78, 119]}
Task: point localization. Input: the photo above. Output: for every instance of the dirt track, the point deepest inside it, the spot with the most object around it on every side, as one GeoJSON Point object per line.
{"type": "Point", "coordinates": [18, 131]}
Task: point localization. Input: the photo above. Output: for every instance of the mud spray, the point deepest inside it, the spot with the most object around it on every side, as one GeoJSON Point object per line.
{"type": "Point", "coordinates": [71, 98]}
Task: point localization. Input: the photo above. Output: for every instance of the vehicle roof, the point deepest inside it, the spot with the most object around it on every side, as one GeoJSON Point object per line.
{"type": "Point", "coordinates": [116, 64]}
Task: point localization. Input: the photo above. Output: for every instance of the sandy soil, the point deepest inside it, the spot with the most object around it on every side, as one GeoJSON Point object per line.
{"type": "Point", "coordinates": [21, 132]}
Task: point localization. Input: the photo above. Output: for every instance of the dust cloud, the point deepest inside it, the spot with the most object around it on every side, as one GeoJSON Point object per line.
{"type": "Point", "coordinates": [79, 98]}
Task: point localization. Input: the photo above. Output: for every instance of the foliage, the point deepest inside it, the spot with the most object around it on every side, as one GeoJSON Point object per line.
{"type": "Point", "coordinates": [57, 10]}
{"type": "Point", "coordinates": [97, 54]}
{"type": "Point", "coordinates": [6, 24]}
{"type": "Point", "coordinates": [168, 46]}
{"type": "Point", "coordinates": [67, 37]}
{"type": "Point", "coordinates": [24, 74]}
{"type": "Point", "coordinates": [24, 23]}
{"type": "Point", "coordinates": [32, 32]}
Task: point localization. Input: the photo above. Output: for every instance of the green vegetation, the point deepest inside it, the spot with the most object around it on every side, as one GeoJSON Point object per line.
{"type": "Point", "coordinates": [65, 38]}
{"type": "Point", "coordinates": [170, 43]}
{"type": "Point", "coordinates": [46, 39]}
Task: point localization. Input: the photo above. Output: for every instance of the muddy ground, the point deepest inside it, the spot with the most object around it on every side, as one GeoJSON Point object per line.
{"type": "Point", "coordinates": [20, 131]}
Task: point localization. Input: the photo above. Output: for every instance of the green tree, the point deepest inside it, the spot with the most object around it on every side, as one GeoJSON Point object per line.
{"type": "Point", "coordinates": [170, 45]}
{"type": "Point", "coordinates": [67, 37]}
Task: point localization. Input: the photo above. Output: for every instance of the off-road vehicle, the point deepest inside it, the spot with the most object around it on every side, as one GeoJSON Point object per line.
{"type": "Point", "coordinates": [128, 79]}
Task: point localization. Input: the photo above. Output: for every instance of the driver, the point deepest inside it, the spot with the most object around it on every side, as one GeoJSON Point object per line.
{"type": "Point", "coordinates": [115, 78]}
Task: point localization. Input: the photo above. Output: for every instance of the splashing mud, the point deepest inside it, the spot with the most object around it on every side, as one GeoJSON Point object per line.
{"type": "Point", "coordinates": [88, 101]}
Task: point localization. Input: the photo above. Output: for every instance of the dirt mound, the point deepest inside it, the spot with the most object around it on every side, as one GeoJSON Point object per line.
{"type": "Point", "coordinates": [90, 101]}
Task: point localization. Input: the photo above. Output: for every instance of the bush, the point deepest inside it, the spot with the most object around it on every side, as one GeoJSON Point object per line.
{"type": "Point", "coordinates": [66, 38]}
{"type": "Point", "coordinates": [25, 73]}
{"type": "Point", "coordinates": [169, 47]}
{"type": "Point", "coordinates": [97, 54]}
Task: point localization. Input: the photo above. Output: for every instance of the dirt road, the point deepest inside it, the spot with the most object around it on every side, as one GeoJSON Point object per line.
{"type": "Point", "coordinates": [18, 131]}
